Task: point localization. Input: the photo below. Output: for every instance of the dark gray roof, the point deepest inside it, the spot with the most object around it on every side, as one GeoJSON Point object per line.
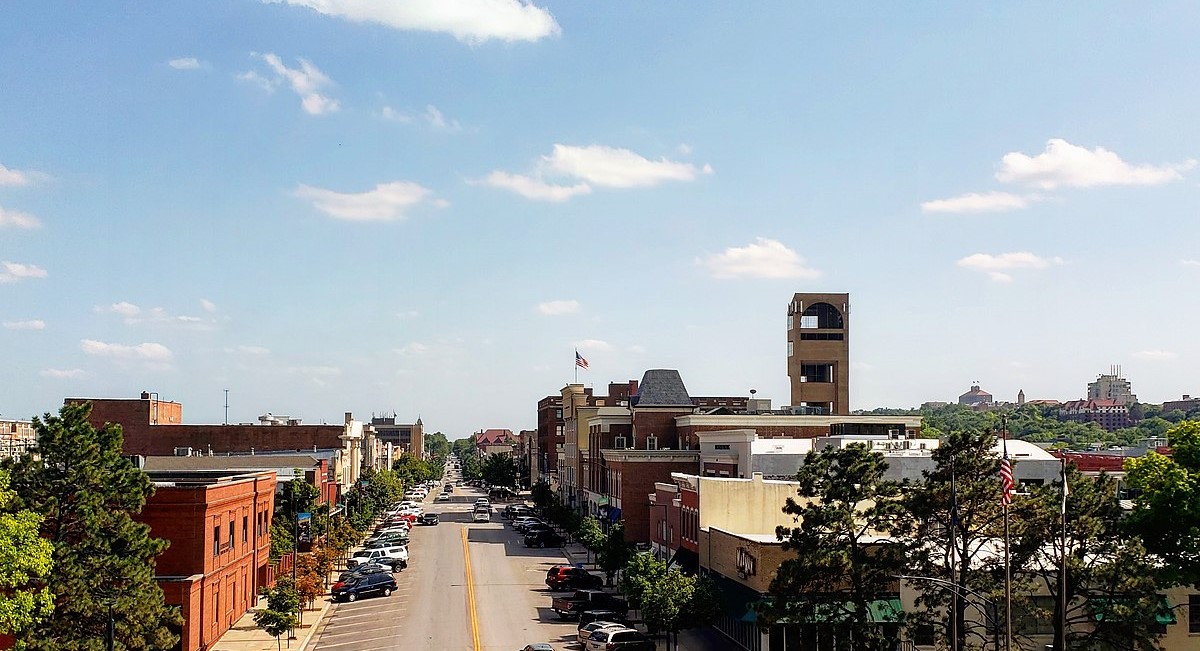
{"type": "Point", "coordinates": [243, 462]}
{"type": "Point", "coordinates": [662, 387]}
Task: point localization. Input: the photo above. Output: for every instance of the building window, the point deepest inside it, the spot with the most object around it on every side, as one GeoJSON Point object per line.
{"type": "Point", "coordinates": [216, 540]}
{"type": "Point", "coordinates": [231, 534]}
{"type": "Point", "coordinates": [1194, 613]}
{"type": "Point", "coordinates": [790, 322]}
{"type": "Point", "coordinates": [651, 442]}
{"type": "Point", "coordinates": [245, 528]}
{"type": "Point", "coordinates": [789, 347]}
{"type": "Point", "coordinates": [619, 443]}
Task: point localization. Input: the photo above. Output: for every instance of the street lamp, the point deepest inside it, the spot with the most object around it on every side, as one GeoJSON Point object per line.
{"type": "Point", "coordinates": [957, 590]}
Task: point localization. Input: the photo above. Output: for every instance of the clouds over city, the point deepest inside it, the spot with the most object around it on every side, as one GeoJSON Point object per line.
{"type": "Point", "coordinates": [470, 21]}
{"type": "Point", "coordinates": [763, 258]}
{"type": "Point", "coordinates": [385, 202]}
{"type": "Point", "coordinates": [33, 324]}
{"type": "Point", "coordinates": [558, 308]}
{"type": "Point", "coordinates": [185, 63]}
{"type": "Point", "coordinates": [306, 81]}
{"type": "Point", "coordinates": [18, 219]}
{"type": "Point", "coordinates": [999, 267]}
{"type": "Point", "coordinates": [135, 315]}
{"type": "Point", "coordinates": [1060, 165]}
{"type": "Point", "coordinates": [432, 117]}
{"type": "Point", "coordinates": [62, 373]}
{"type": "Point", "coordinates": [11, 272]}
{"type": "Point", "coordinates": [570, 170]}
{"type": "Point", "coordinates": [144, 352]}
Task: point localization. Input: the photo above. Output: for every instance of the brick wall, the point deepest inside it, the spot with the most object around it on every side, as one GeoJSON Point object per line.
{"type": "Point", "coordinates": [635, 483]}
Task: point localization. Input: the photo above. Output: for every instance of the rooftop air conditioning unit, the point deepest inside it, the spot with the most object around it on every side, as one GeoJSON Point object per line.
{"type": "Point", "coordinates": [183, 452]}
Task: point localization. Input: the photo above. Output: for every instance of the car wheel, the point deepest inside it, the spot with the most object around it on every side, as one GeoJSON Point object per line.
{"type": "Point", "coordinates": [387, 592]}
{"type": "Point", "coordinates": [352, 597]}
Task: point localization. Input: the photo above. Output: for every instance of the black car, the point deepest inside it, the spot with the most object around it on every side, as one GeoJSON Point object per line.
{"type": "Point", "coordinates": [362, 586]}
{"type": "Point", "coordinates": [543, 538]}
{"type": "Point", "coordinates": [428, 518]}
{"type": "Point", "coordinates": [537, 528]}
{"type": "Point", "coordinates": [365, 569]}
{"type": "Point", "coordinates": [394, 563]}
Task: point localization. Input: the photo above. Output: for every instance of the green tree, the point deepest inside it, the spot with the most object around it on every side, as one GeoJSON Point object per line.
{"type": "Point", "coordinates": [1113, 600]}
{"type": "Point", "coordinates": [25, 561]}
{"type": "Point", "coordinates": [615, 553]}
{"type": "Point", "coordinates": [282, 538]}
{"type": "Point", "coordinates": [840, 569]}
{"type": "Point", "coordinates": [283, 604]}
{"type": "Point", "coordinates": [472, 467]}
{"type": "Point", "coordinates": [642, 572]}
{"type": "Point", "coordinates": [296, 496]}
{"type": "Point", "coordinates": [87, 493]}
{"type": "Point", "coordinates": [972, 516]}
{"type": "Point", "coordinates": [436, 444]}
{"type": "Point", "coordinates": [499, 470]}
{"type": "Point", "coordinates": [676, 602]}
{"type": "Point", "coordinates": [1166, 504]}
{"type": "Point", "coordinates": [590, 535]}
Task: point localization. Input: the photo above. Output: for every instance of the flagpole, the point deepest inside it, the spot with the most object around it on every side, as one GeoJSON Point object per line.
{"type": "Point", "coordinates": [1007, 545]}
{"type": "Point", "coordinates": [1061, 642]}
{"type": "Point", "coordinates": [576, 367]}
{"type": "Point", "coordinates": [953, 563]}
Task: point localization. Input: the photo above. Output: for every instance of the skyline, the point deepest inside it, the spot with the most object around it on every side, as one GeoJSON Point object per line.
{"type": "Point", "coordinates": [344, 206]}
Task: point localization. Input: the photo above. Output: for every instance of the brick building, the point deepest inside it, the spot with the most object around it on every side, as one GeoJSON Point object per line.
{"type": "Point", "coordinates": [404, 437]}
{"type": "Point", "coordinates": [818, 353]}
{"type": "Point", "coordinates": [219, 527]}
{"type": "Point", "coordinates": [1108, 414]}
{"type": "Point", "coordinates": [549, 440]}
{"type": "Point", "coordinates": [313, 468]}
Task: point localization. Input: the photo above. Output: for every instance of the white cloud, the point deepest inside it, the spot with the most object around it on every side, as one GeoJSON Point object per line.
{"type": "Point", "coordinates": [11, 272]}
{"type": "Point", "coordinates": [593, 344]}
{"type": "Point", "coordinates": [306, 81]}
{"type": "Point", "coordinates": [438, 121]}
{"type": "Point", "coordinates": [1155, 355]}
{"type": "Point", "coordinates": [414, 348]}
{"type": "Point", "coordinates": [471, 21]}
{"type": "Point", "coordinates": [208, 305]}
{"type": "Point", "coordinates": [684, 148]}
{"type": "Point", "coordinates": [254, 350]}
{"type": "Point", "coordinates": [146, 352]}
{"type": "Point", "coordinates": [763, 258]}
{"type": "Point", "coordinates": [408, 314]}
{"type": "Point", "coordinates": [997, 266]}
{"type": "Point", "coordinates": [974, 202]}
{"type": "Point", "coordinates": [62, 373]}
{"type": "Point", "coordinates": [389, 113]}
{"type": "Point", "coordinates": [386, 202]}
{"type": "Point", "coordinates": [9, 176]}
{"type": "Point", "coordinates": [592, 166]}
{"type": "Point", "coordinates": [18, 219]}
{"type": "Point", "coordinates": [1063, 164]}
{"type": "Point", "coordinates": [185, 63]}
{"type": "Point", "coordinates": [123, 308]}
{"type": "Point", "coordinates": [616, 168]}
{"type": "Point", "coordinates": [535, 189]}
{"type": "Point", "coordinates": [134, 315]}
{"type": "Point", "coordinates": [34, 324]}
{"type": "Point", "coordinates": [1190, 263]}
{"type": "Point", "coordinates": [556, 308]}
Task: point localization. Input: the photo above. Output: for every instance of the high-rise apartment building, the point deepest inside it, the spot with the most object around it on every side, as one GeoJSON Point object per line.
{"type": "Point", "coordinates": [1112, 386]}
{"type": "Point", "coordinates": [818, 353]}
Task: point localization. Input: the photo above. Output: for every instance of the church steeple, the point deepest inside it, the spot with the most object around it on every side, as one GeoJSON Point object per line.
{"type": "Point", "coordinates": [1021, 397]}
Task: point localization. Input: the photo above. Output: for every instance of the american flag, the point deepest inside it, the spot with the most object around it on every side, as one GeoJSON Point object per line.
{"type": "Point", "coordinates": [1006, 481]}
{"type": "Point", "coordinates": [580, 361]}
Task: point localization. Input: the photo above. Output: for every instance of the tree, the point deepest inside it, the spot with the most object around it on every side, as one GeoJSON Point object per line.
{"type": "Point", "coordinates": [282, 538]}
{"type": "Point", "coordinates": [641, 572]}
{"type": "Point", "coordinates": [1166, 504]}
{"type": "Point", "coordinates": [590, 535]}
{"type": "Point", "coordinates": [25, 561]}
{"type": "Point", "coordinates": [676, 601]}
{"type": "Point", "coordinates": [309, 581]}
{"type": "Point", "coordinates": [87, 493]}
{"type": "Point", "coordinates": [960, 499]}
{"type": "Point", "coordinates": [499, 470]}
{"type": "Point", "coordinates": [1113, 600]}
{"type": "Point", "coordinates": [615, 552]}
{"type": "Point", "coordinates": [436, 444]}
{"type": "Point", "coordinates": [840, 568]}
{"type": "Point", "coordinates": [279, 616]}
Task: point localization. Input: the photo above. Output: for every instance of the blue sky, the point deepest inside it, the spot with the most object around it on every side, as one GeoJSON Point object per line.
{"type": "Point", "coordinates": [426, 206]}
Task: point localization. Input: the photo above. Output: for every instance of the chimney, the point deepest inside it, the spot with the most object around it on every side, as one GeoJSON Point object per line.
{"type": "Point", "coordinates": [145, 395]}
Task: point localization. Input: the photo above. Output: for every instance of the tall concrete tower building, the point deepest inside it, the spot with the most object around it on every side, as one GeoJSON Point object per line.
{"type": "Point", "coordinates": [818, 352]}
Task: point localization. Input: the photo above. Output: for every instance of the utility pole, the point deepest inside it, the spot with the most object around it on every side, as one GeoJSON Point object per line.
{"type": "Point", "coordinates": [226, 406]}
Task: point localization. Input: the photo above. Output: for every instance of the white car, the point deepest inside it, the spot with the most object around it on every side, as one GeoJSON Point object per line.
{"type": "Point", "coordinates": [365, 556]}
{"type": "Point", "coordinates": [481, 516]}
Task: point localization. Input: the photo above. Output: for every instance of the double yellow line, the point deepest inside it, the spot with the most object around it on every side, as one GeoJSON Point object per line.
{"type": "Point", "coordinates": [470, 592]}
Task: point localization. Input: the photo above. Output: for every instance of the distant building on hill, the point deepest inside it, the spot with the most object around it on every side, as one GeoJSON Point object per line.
{"type": "Point", "coordinates": [1108, 414]}
{"type": "Point", "coordinates": [975, 396]}
{"type": "Point", "coordinates": [1186, 403]}
{"type": "Point", "coordinates": [1111, 386]}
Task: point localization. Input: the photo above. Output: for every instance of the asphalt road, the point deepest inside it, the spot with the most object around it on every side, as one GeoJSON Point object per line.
{"type": "Point", "coordinates": [505, 606]}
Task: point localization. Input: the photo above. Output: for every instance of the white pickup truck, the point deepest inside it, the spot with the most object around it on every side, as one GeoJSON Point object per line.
{"type": "Point", "coordinates": [400, 553]}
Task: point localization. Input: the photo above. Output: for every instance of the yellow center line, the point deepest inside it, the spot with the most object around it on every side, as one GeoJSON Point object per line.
{"type": "Point", "coordinates": [470, 592]}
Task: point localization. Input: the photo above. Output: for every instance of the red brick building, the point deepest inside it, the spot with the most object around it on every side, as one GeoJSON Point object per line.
{"type": "Point", "coordinates": [630, 477]}
{"type": "Point", "coordinates": [219, 526]}
{"type": "Point", "coordinates": [313, 468]}
{"type": "Point", "coordinates": [155, 427]}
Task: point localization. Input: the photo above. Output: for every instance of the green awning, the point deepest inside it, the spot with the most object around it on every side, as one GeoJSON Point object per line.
{"type": "Point", "coordinates": [1109, 608]}
{"type": "Point", "coordinates": [880, 611]}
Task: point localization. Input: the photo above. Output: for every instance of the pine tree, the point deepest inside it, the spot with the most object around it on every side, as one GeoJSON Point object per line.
{"type": "Point", "coordinates": [103, 560]}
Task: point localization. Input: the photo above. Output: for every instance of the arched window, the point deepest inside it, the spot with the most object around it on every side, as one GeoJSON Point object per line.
{"type": "Point", "coordinates": [821, 315]}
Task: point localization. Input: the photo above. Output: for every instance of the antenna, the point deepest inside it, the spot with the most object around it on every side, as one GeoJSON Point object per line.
{"type": "Point", "coordinates": [226, 406]}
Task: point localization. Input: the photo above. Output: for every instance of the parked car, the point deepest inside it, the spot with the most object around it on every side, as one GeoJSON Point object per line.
{"type": "Point", "coordinates": [574, 578]}
{"type": "Point", "coordinates": [581, 600]}
{"type": "Point", "coordinates": [520, 520]}
{"type": "Point", "coordinates": [444, 497]}
{"type": "Point", "coordinates": [393, 564]}
{"type": "Point", "coordinates": [481, 516]}
{"type": "Point", "coordinates": [540, 646]}
{"type": "Point", "coordinates": [618, 639]}
{"type": "Point", "coordinates": [543, 539]}
{"type": "Point", "coordinates": [361, 570]}
{"type": "Point", "coordinates": [362, 586]}
{"type": "Point", "coordinates": [602, 615]}
{"type": "Point", "coordinates": [369, 555]}
{"type": "Point", "coordinates": [428, 519]}
{"type": "Point", "coordinates": [587, 628]}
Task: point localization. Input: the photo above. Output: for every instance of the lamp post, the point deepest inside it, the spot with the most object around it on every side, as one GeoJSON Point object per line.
{"type": "Point", "coordinates": [957, 589]}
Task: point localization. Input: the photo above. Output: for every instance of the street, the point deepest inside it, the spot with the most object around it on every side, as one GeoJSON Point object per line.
{"type": "Point", "coordinates": [504, 607]}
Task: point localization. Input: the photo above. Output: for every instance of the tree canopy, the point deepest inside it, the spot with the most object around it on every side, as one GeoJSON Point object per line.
{"type": "Point", "coordinates": [1166, 503]}
{"type": "Point", "coordinates": [87, 492]}
{"type": "Point", "coordinates": [25, 561]}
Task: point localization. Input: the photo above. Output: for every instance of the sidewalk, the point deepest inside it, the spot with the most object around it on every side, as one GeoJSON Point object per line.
{"type": "Point", "coordinates": [696, 639]}
{"type": "Point", "coordinates": [245, 635]}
